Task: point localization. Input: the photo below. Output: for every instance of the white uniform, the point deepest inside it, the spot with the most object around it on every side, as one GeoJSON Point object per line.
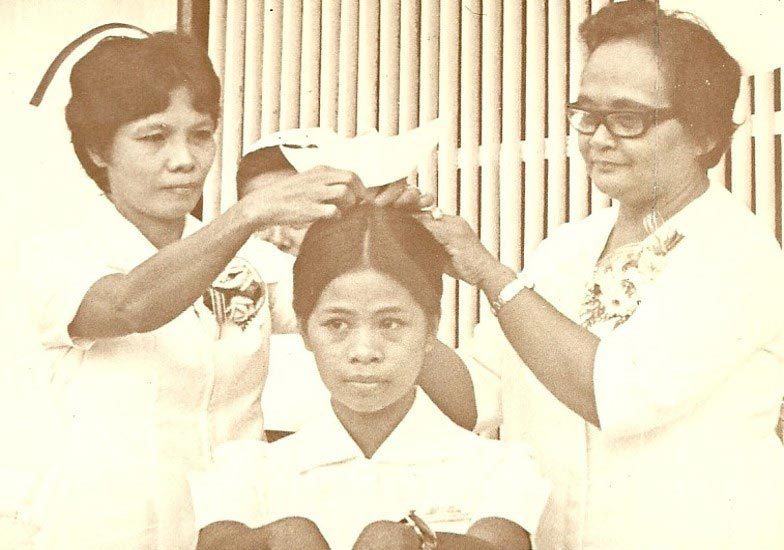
{"type": "Point", "coordinates": [448, 475]}
{"type": "Point", "coordinates": [687, 390]}
{"type": "Point", "coordinates": [135, 413]}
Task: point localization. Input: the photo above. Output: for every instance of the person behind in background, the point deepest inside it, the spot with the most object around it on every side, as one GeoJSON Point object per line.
{"type": "Point", "coordinates": [367, 293]}
{"type": "Point", "coordinates": [445, 380]}
{"type": "Point", "coordinates": [155, 326]}
{"type": "Point", "coordinates": [641, 351]}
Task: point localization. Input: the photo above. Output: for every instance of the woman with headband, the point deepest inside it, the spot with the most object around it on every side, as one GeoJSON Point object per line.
{"type": "Point", "coordinates": [155, 325]}
{"type": "Point", "coordinates": [641, 351]}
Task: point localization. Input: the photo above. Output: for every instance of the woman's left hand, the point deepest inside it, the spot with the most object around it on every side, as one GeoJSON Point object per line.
{"type": "Point", "coordinates": [400, 194]}
{"type": "Point", "coordinates": [471, 261]}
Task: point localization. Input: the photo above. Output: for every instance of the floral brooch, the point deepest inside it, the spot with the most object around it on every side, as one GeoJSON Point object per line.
{"type": "Point", "coordinates": [237, 294]}
{"type": "Point", "coordinates": [620, 283]}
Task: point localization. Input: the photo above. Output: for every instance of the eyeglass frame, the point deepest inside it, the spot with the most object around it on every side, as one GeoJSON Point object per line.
{"type": "Point", "coordinates": [650, 118]}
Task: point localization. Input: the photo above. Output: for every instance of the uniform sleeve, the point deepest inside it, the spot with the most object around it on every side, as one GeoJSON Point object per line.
{"type": "Point", "coordinates": [708, 314]}
{"type": "Point", "coordinates": [276, 269]}
{"type": "Point", "coordinates": [57, 271]}
{"type": "Point", "coordinates": [226, 491]}
{"type": "Point", "coordinates": [514, 489]}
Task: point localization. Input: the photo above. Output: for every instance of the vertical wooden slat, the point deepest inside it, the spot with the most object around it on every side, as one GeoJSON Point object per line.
{"type": "Point", "coordinates": [448, 106]}
{"type": "Point", "coordinates": [578, 179]}
{"type": "Point", "coordinates": [409, 65]}
{"type": "Point", "coordinates": [764, 150]}
{"type": "Point", "coordinates": [271, 64]}
{"type": "Point", "coordinates": [718, 174]}
{"type": "Point", "coordinates": [470, 30]}
{"type": "Point", "coordinates": [251, 111]}
{"type": "Point", "coordinates": [556, 92]}
{"type": "Point", "coordinates": [428, 86]}
{"type": "Point", "coordinates": [389, 74]}
{"type": "Point", "coordinates": [290, 64]}
{"type": "Point", "coordinates": [780, 131]}
{"type": "Point", "coordinates": [347, 70]}
{"type": "Point", "coordinates": [598, 199]}
{"type": "Point", "coordinates": [596, 5]}
{"type": "Point", "coordinates": [741, 146]}
{"type": "Point", "coordinates": [367, 92]}
{"type": "Point", "coordinates": [492, 33]}
{"type": "Point", "coordinates": [234, 77]}
{"type": "Point", "coordinates": [511, 208]}
{"type": "Point", "coordinates": [330, 46]}
{"type": "Point", "coordinates": [311, 59]}
{"type": "Point", "coordinates": [216, 49]}
{"type": "Point", "coordinates": [535, 91]}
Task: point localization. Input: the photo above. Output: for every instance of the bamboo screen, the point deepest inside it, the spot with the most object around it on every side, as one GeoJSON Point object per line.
{"type": "Point", "coordinates": [497, 72]}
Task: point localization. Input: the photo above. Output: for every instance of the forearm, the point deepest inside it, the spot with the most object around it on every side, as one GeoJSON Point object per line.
{"type": "Point", "coordinates": [162, 287]}
{"type": "Point", "coordinates": [558, 351]}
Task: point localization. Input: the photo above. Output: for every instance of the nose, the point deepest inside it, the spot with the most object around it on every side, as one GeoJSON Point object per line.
{"type": "Point", "coordinates": [364, 348]}
{"type": "Point", "coordinates": [602, 138]}
{"type": "Point", "coordinates": [180, 157]}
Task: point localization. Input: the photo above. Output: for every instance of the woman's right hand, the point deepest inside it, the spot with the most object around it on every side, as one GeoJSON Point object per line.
{"type": "Point", "coordinates": [303, 198]}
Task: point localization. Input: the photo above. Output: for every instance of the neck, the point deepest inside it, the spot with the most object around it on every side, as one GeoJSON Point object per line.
{"type": "Point", "coordinates": [159, 232]}
{"type": "Point", "coordinates": [630, 225]}
{"type": "Point", "coordinates": [369, 430]}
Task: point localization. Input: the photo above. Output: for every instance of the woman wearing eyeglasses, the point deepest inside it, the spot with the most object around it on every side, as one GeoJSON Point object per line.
{"type": "Point", "coordinates": [641, 352]}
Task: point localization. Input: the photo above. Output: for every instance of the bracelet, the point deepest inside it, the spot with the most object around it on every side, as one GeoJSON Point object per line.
{"type": "Point", "coordinates": [512, 289]}
{"type": "Point", "coordinates": [427, 537]}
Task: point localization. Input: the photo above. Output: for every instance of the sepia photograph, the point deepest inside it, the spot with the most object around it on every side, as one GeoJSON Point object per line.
{"type": "Point", "coordinates": [392, 275]}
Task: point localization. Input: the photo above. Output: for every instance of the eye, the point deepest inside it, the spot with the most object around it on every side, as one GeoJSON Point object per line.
{"type": "Point", "coordinates": [336, 325]}
{"type": "Point", "coordinates": [392, 323]}
{"type": "Point", "coordinates": [156, 137]}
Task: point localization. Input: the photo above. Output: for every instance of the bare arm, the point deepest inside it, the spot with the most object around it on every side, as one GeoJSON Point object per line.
{"type": "Point", "coordinates": [558, 351]}
{"type": "Point", "coordinates": [446, 381]}
{"type": "Point", "coordinates": [159, 289]}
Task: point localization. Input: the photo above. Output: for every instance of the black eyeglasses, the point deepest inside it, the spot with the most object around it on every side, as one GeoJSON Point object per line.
{"type": "Point", "coordinates": [621, 124]}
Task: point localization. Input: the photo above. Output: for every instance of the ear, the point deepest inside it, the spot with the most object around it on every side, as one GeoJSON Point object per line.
{"type": "Point", "coordinates": [432, 329]}
{"type": "Point", "coordinates": [304, 333]}
{"type": "Point", "coordinates": [704, 144]}
{"type": "Point", "coordinates": [96, 158]}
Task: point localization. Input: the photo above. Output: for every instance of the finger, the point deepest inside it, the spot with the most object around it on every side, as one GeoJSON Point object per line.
{"type": "Point", "coordinates": [340, 195]}
{"type": "Point", "coordinates": [389, 193]}
{"type": "Point", "coordinates": [426, 200]}
{"type": "Point", "coordinates": [326, 210]}
{"type": "Point", "coordinates": [408, 199]}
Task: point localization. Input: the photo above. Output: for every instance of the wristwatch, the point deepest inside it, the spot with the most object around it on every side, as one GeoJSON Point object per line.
{"type": "Point", "coordinates": [512, 289]}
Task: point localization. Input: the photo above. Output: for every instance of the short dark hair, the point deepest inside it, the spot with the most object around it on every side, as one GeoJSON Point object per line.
{"type": "Point", "coordinates": [260, 161]}
{"type": "Point", "coordinates": [124, 79]}
{"type": "Point", "coordinates": [703, 78]}
{"type": "Point", "coordinates": [388, 240]}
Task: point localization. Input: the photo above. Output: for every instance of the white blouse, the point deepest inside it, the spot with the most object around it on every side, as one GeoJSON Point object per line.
{"type": "Point", "coordinates": [135, 413]}
{"type": "Point", "coordinates": [687, 390]}
{"type": "Point", "coordinates": [448, 475]}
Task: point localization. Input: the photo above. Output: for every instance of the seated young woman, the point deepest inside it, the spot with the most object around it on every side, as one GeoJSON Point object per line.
{"type": "Point", "coordinates": [367, 292]}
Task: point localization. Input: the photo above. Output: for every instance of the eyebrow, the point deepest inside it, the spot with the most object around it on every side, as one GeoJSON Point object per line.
{"type": "Point", "coordinates": [620, 104]}
{"type": "Point", "coordinates": [348, 311]}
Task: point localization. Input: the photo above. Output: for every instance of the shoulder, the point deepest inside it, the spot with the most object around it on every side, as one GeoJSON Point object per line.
{"type": "Point", "coordinates": [571, 238]}
{"type": "Point", "coordinates": [272, 264]}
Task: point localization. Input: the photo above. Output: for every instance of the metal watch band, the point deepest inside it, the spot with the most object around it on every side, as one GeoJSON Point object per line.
{"type": "Point", "coordinates": [510, 291]}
